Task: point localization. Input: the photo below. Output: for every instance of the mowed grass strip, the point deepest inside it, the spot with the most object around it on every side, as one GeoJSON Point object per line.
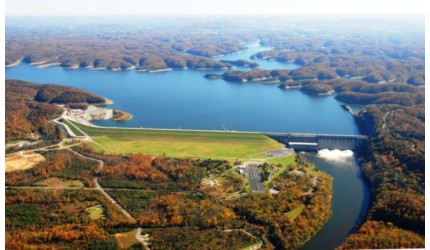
{"type": "Point", "coordinates": [222, 145]}
{"type": "Point", "coordinates": [73, 128]}
{"type": "Point", "coordinates": [293, 214]}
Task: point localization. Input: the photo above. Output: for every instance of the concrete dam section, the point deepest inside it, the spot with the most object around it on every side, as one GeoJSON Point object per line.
{"type": "Point", "coordinates": [315, 142]}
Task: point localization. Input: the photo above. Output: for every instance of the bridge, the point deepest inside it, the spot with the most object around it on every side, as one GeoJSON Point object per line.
{"type": "Point", "coordinates": [315, 142]}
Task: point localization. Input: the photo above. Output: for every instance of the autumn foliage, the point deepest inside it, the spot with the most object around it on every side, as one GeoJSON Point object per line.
{"type": "Point", "coordinates": [394, 167]}
{"type": "Point", "coordinates": [380, 235]}
{"type": "Point", "coordinates": [61, 164]}
{"type": "Point", "coordinates": [30, 107]}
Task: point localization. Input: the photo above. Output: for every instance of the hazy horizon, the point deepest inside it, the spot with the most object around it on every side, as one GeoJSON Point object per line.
{"type": "Point", "coordinates": [210, 7]}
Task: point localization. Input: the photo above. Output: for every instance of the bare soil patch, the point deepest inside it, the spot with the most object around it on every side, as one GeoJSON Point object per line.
{"type": "Point", "coordinates": [23, 161]}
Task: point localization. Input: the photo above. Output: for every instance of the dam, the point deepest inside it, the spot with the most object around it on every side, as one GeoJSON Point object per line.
{"type": "Point", "coordinates": [315, 142]}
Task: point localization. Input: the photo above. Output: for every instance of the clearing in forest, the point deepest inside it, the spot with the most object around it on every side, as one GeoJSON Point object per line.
{"type": "Point", "coordinates": [23, 161]}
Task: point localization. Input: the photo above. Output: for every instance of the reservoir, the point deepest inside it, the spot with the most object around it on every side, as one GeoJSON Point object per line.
{"type": "Point", "coordinates": [185, 99]}
{"type": "Point", "coordinates": [254, 48]}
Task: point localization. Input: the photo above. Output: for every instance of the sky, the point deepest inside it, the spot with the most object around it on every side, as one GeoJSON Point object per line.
{"type": "Point", "coordinates": [208, 7]}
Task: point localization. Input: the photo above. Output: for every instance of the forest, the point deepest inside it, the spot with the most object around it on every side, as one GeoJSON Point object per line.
{"type": "Point", "coordinates": [394, 166]}
{"type": "Point", "coordinates": [61, 164]}
{"type": "Point", "coordinates": [382, 70]}
{"type": "Point", "coordinates": [164, 195]}
{"type": "Point", "coordinates": [348, 52]}
{"type": "Point", "coordinates": [30, 107]}
{"type": "Point", "coordinates": [165, 192]}
{"type": "Point", "coordinates": [59, 219]}
{"type": "Point", "coordinates": [150, 50]}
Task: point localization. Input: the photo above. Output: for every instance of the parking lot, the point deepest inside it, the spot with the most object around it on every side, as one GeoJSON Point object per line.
{"type": "Point", "coordinates": [254, 178]}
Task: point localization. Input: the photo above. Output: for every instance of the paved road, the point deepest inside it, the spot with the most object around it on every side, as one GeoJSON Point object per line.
{"type": "Point", "coordinates": [255, 179]}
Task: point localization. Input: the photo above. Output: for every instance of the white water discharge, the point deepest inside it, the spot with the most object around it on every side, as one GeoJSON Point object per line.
{"type": "Point", "coordinates": [338, 156]}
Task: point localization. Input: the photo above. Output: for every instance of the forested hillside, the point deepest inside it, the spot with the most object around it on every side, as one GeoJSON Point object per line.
{"type": "Point", "coordinates": [30, 107]}
{"type": "Point", "coordinates": [395, 169]}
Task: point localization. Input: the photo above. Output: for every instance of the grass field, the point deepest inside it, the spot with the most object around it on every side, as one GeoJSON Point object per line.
{"type": "Point", "coordinates": [293, 214]}
{"type": "Point", "coordinates": [73, 128]}
{"type": "Point", "coordinates": [284, 161]}
{"type": "Point", "coordinates": [127, 239]}
{"type": "Point", "coordinates": [56, 182]}
{"type": "Point", "coordinates": [220, 145]}
{"type": "Point", "coordinates": [253, 246]}
{"type": "Point", "coordinates": [95, 213]}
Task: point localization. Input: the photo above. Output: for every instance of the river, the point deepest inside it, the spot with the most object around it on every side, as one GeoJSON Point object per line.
{"type": "Point", "coordinates": [185, 99]}
{"type": "Point", "coordinates": [350, 198]}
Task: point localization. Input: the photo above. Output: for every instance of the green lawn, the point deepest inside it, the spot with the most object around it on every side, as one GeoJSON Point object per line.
{"type": "Point", "coordinates": [73, 128]}
{"type": "Point", "coordinates": [221, 145]}
{"type": "Point", "coordinates": [253, 246]}
{"type": "Point", "coordinates": [293, 214]}
{"type": "Point", "coordinates": [284, 161]}
{"type": "Point", "coordinates": [95, 213]}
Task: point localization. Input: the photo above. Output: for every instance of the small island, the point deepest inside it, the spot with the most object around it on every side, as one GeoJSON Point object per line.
{"type": "Point", "coordinates": [241, 63]}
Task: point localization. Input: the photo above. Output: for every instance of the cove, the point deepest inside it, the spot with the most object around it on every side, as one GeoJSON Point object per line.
{"type": "Point", "coordinates": [254, 48]}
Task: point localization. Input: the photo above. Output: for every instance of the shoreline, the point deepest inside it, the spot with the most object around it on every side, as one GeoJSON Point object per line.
{"type": "Point", "coordinates": [41, 66]}
{"type": "Point", "coordinates": [107, 102]}
{"type": "Point", "coordinates": [95, 112]}
{"type": "Point", "coordinates": [153, 70]}
{"type": "Point", "coordinates": [132, 68]}
{"type": "Point", "coordinates": [71, 67]}
{"type": "Point", "coordinates": [13, 64]}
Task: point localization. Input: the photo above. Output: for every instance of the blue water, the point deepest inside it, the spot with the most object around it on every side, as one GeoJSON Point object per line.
{"type": "Point", "coordinates": [350, 202]}
{"type": "Point", "coordinates": [185, 99]}
{"type": "Point", "coordinates": [254, 48]}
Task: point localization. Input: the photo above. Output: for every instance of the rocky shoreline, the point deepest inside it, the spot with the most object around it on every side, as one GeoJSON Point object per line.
{"type": "Point", "coordinates": [85, 116]}
{"type": "Point", "coordinates": [97, 112]}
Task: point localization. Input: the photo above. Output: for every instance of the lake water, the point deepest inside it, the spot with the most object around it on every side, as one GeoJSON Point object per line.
{"type": "Point", "coordinates": [185, 99]}
{"type": "Point", "coordinates": [254, 48]}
